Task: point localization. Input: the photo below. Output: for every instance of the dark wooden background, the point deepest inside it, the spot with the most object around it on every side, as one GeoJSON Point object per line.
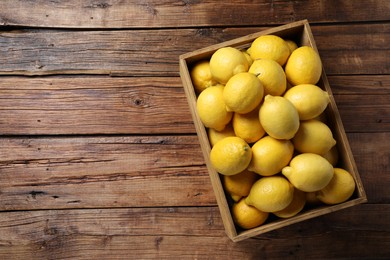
{"type": "Point", "coordinates": [99, 158]}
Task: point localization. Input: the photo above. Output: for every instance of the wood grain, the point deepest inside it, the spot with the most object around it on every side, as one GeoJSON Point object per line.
{"type": "Point", "coordinates": [156, 52]}
{"type": "Point", "coordinates": [100, 167]}
{"type": "Point", "coordinates": [186, 233]}
{"type": "Point", "coordinates": [141, 14]}
{"type": "Point", "coordinates": [101, 172]}
{"type": "Point", "coordinates": [93, 105]}
{"type": "Point", "coordinates": [136, 105]}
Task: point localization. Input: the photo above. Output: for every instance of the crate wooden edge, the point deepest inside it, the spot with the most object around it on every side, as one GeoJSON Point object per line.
{"type": "Point", "coordinates": [334, 115]}
{"type": "Point", "coordinates": [205, 147]}
{"type": "Point", "coordinates": [298, 218]}
{"type": "Point", "coordinates": [240, 42]}
{"type": "Point", "coordinates": [338, 126]}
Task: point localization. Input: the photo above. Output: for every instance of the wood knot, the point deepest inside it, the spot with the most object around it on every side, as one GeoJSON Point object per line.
{"type": "Point", "coordinates": [138, 100]}
{"type": "Point", "coordinates": [34, 193]}
{"type": "Point", "coordinates": [158, 241]}
{"type": "Point", "coordinates": [101, 5]}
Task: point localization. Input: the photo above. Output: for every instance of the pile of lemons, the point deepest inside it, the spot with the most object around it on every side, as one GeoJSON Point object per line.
{"type": "Point", "coordinates": [265, 119]}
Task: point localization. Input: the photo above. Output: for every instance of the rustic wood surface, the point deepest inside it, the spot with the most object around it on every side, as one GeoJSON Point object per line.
{"type": "Point", "coordinates": [99, 158]}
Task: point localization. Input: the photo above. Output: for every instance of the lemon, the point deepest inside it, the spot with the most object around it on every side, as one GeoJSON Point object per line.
{"type": "Point", "coordinates": [235, 197]}
{"type": "Point", "coordinates": [246, 216]}
{"type": "Point", "coordinates": [212, 109]}
{"type": "Point", "coordinates": [309, 172]}
{"type": "Point", "coordinates": [303, 66]}
{"type": "Point", "coordinates": [231, 155]}
{"type": "Point", "coordinates": [248, 57]}
{"type": "Point", "coordinates": [332, 155]}
{"type": "Point", "coordinates": [239, 184]}
{"type": "Point", "coordinates": [279, 117]}
{"type": "Point", "coordinates": [226, 62]}
{"type": "Point", "coordinates": [243, 93]}
{"type": "Point", "coordinates": [291, 45]}
{"type": "Point", "coordinates": [201, 76]}
{"type": "Point", "coordinates": [269, 47]}
{"type": "Point", "coordinates": [313, 136]}
{"type": "Point", "coordinates": [339, 189]}
{"type": "Point", "coordinates": [270, 155]}
{"type": "Point", "coordinates": [247, 126]}
{"type": "Point", "coordinates": [271, 75]}
{"type": "Point", "coordinates": [215, 136]}
{"type": "Point", "coordinates": [296, 205]}
{"type": "Point", "coordinates": [270, 194]}
{"type": "Point", "coordinates": [310, 100]}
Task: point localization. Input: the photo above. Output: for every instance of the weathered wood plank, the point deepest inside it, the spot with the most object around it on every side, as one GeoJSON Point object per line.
{"type": "Point", "coordinates": [364, 113]}
{"type": "Point", "coordinates": [156, 52]}
{"type": "Point", "coordinates": [101, 172]}
{"type": "Point", "coordinates": [360, 84]}
{"type": "Point", "coordinates": [139, 105]}
{"type": "Point", "coordinates": [141, 14]}
{"type": "Point", "coordinates": [372, 155]}
{"type": "Point", "coordinates": [93, 105]}
{"type": "Point", "coordinates": [187, 233]}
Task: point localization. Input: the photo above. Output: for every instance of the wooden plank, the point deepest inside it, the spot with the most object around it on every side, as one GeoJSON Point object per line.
{"type": "Point", "coordinates": [138, 14]}
{"type": "Point", "coordinates": [187, 233]}
{"type": "Point", "coordinates": [93, 105]}
{"type": "Point", "coordinates": [360, 84]}
{"type": "Point", "coordinates": [101, 172]}
{"type": "Point", "coordinates": [372, 156]}
{"type": "Point", "coordinates": [156, 52]}
{"type": "Point", "coordinates": [364, 113]}
{"type": "Point", "coordinates": [136, 105]}
{"type": "Point", "coordinates": [86, 172]}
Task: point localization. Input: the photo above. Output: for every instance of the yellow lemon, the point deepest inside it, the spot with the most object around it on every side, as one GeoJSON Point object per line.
{"type": "Point", "coordinates": [243, 93]}
{"type": "Point", "coordinates": [270, 47]}
{"type": "Point", "coordinates": [215, 136]}
{"type": "Point", "coordinates": [248, 57]}
{"type": "Point", "coordinates": [309, 172]}
{"type": "Point", "coordinates": [270, 194]}
{"type": "Point", "coordinates": [296, 205]}
{"type": "Point", "coordinates": [313, 136]}
{"type": "Point", "coordinates": [246, 216]}
{"type": "Point", "coordinates": [339, 189]}
{"type": "Point", "coordinates": [279, 117]}
{"type": "Point", "coordinates": [303, 66]}
{"type": "Point", "coordinates": [291, 45]}
{"type": "Point", "coordinates": [270, 155]}
{"type": "Point", "coordinates": [310, 100]}
{"type": "Point", "coordinates": [201, 76]}
{"type": "Point", "coordinates": [332, 155]}
{"type": "Point", "coordinates": [271, 75]}
{"type": "Point", "coordinates": [226, 62]}
{"type": "Point", "coordinates": [212, 109]}
{"type": "Point", "coordinates": [247, 126]}
{"type": "Point", "coordinates": [239, 184]}
{"type": "Point", "coordinates": [235, 198]}
{"type": "Point", "coordinates": [231, 155]}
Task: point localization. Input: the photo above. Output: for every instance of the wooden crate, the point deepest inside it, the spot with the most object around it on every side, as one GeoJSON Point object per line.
{"type": "Point", "coordinates": [300, 32]}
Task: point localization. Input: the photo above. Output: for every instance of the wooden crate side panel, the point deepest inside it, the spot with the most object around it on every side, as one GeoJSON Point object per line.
{"type": "Point", "coordinates": [205, 146]}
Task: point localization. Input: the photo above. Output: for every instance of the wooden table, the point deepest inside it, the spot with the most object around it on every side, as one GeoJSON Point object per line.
{"type": "Point", "coordinates": [99, 158]}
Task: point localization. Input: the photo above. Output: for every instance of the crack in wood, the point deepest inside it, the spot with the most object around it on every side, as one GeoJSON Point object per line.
{"type": "Point", "coordinates": [34, 193]}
